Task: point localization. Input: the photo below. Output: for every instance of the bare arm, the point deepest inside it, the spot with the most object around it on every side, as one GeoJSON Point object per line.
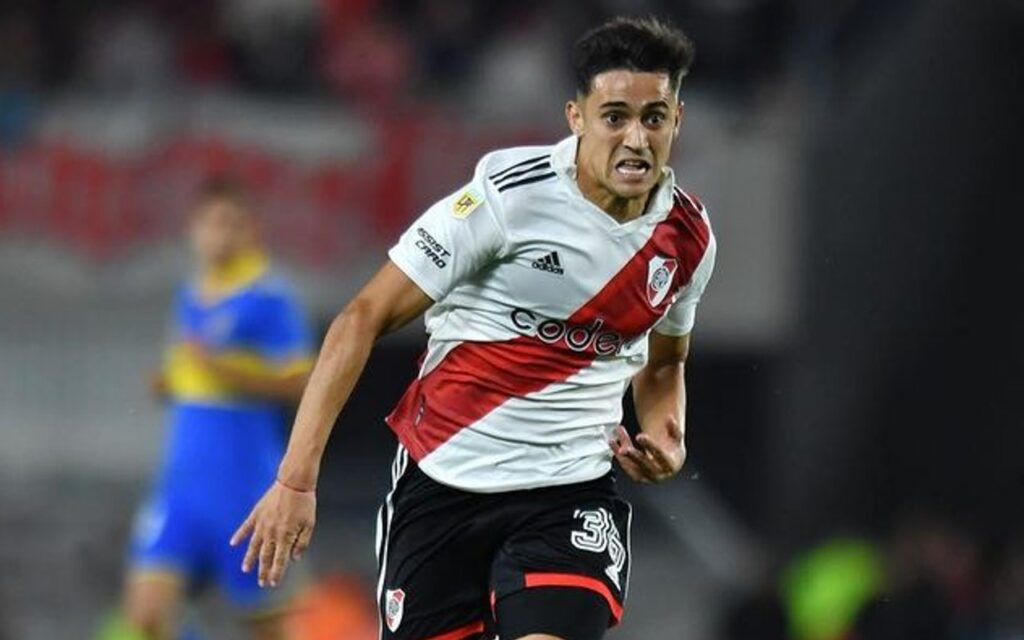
{"type": "Point", "coordinates": [386, 303]}
{"type": "Point", "coordinates": [281, 523]}
{"type": "Point", "coordinates": [659, 394]}
{"type": "Point", "coordinates": [659, 389]}
{"type": "Point", "coordinates": [282, 386]}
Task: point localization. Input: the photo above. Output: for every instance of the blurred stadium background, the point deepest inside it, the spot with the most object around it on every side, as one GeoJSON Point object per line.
{"type": "Point", "coordinates": [855, 432]}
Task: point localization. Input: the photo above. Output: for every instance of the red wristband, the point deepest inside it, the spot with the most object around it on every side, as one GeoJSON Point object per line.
{"type": "Point", "coordinates": [291, 488]}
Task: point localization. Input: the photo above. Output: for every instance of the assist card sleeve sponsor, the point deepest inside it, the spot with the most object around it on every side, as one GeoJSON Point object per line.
{"type": "Point", "coordinates": [456, 237]}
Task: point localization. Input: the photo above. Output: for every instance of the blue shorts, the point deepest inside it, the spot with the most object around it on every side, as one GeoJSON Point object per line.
{"type": "Point", "coordinates": [199, 501]}
{"type": "Point", "coordinates": [170, 534]}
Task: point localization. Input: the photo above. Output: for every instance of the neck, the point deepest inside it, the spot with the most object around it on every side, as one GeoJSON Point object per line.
{"type": "Point", "coordinates": [621, 209]}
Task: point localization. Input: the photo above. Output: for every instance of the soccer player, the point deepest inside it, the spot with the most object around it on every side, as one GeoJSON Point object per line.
{"type": "Point", "coordinates": [241, 354]}
{"type": "Point", "coordinates": [554, 279]}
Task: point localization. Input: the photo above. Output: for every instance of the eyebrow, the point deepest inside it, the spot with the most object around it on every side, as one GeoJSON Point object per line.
{"type": "Point", "coordinates": [625, 105]}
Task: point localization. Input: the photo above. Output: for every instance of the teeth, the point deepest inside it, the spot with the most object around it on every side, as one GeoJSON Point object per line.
{"type": "Point", "coordinates": [633, 163]}
{"type": "Point", "coordinates": [631, 167]}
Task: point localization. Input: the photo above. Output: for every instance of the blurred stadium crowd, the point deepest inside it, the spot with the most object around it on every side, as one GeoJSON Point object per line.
{"type": "Point", "coordinates": [203, 86]}
{"type": "Point", "coordinates": [854, 433]}
{"type": "Point", "coordinates": [369, 52]}
{"type": "Point", "coordinates": [928, 578]}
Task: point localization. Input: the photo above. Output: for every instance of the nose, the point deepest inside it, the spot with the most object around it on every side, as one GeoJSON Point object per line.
{"type": "Point", "coordinates": [636, 137]}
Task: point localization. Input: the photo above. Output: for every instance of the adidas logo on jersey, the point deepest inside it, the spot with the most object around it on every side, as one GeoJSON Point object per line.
{"type": "Point", "coordinates": [549, 263]}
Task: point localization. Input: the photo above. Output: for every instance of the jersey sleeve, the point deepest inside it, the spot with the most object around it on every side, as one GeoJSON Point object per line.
{"type": "Point", "coordinates": [679, 319]}
{"type": "Point", "coordinates": [285, 337]}
{"type": "Point", "coordinates": [453, 239]}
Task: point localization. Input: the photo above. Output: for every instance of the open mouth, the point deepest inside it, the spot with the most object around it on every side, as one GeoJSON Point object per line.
{"type": "Point", "coordinates": [632, 168]}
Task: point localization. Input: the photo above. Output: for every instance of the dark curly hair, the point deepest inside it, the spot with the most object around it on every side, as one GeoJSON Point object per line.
{"type": "Point", "coordinates": [224, 186]}
{"type": "Point", "coordinates": [633, 44]}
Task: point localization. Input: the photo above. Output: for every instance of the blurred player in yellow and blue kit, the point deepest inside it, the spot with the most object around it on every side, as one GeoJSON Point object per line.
{"type": "Point", "coordinates": [238, 360]}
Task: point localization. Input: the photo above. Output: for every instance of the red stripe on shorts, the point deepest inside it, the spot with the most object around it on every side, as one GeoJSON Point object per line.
{"type": "Point", "coordinates": [579, 582]}
{"type": "Point", "coordinates": [461, 633]}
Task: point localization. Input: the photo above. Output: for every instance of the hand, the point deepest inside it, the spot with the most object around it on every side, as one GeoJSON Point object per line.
{"type": "Point", "coordinates": [652, 458]}
{"type": "Point", "coordinates": [212, 363]}
{"type": "Point", "coordinates": [281, 525]}
{"type": "Point", "coordinates": [200, 354]}
{"type": "Point", "coordinates": [159, 388]}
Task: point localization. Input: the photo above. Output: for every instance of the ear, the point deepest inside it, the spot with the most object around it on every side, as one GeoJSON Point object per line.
{"type": "Point", "coordinates": [574, 116]}
{"type": "Point", "coordinates": [680, 112]}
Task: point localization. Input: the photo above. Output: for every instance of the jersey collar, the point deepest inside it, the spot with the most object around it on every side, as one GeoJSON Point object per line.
{"type": "Point", "coordinates": [239, 272]}
{"type": "Point", "coordinates": [563, 161]}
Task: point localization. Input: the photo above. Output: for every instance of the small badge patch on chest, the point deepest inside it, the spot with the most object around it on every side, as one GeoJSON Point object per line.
{"type": "Point", "coordinates": [660, 272]}
{"type": "Point", "coordinates": [394, 606]}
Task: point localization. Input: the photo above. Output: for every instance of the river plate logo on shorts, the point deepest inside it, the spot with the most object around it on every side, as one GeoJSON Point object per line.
{"type": "Point", "coordinates": [394, 606]}
{"type": "Point", "coordinates": [659, 278]}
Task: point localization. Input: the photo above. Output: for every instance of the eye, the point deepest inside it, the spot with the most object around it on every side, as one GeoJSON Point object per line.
{"type": "Point", "coordinates": [655, 119]}
{"type": "Point", "coordinates": [613, 118]}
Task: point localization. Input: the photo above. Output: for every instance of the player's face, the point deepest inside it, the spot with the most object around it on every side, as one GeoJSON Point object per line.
{"type": "Point", "coordinates": [626, 126]}
{"type": "Point", "coordinates": [220, 228]}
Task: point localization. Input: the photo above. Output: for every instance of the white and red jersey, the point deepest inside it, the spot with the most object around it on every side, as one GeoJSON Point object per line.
{"type": "Point", "coordinates": [543, 307]}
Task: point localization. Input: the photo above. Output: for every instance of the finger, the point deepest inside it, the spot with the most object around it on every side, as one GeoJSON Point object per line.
{"type": "Point", "coordinates": [619, 439]}
{"type": "Point", "coordinates": [252, 552]}
{"type": "Point", "coordinates": [622, 436]}
{"type": "Point", "coordinates": [632, 461]}
{"type": "Point", "coordinates": [639, 463]}
{"type": "Point", "coordinates": [659, 457]}
{"type": "Point", "coordinates": [302, 542]}
{"type": "Point", "coordinates": [632, 470]}
{"type": "Point", "coordinates": [266, 560]}
{"type": "Point", "coordinates": [622, 443]}
{"type": "Point", "coordinates": [637, 456]}
{"type": "Point", "coordinates": [243, 531]}
{"type": "Point", "coordinates": [280, 563]}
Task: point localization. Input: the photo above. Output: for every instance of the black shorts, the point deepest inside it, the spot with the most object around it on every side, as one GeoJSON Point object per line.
{"type": "Point", "coordinates": [447, 557]}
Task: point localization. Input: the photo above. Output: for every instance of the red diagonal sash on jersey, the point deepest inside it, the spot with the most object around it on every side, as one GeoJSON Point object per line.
{"type": "Point", "coordinates": [477, 377]}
